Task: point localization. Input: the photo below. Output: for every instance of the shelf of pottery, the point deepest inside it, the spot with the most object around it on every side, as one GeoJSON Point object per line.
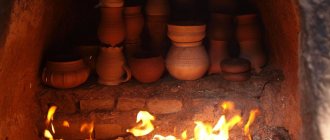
{"type": "Point", "coordinates": [121, 58]}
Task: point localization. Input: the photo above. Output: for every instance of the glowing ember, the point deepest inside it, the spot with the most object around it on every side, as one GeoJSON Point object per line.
{"type": "Point", "coordinates": [202, 131]}
{"type": "Point", "coordinates": [145, 127]}
{"type": "Point", "coordinates": [66, 124]}
{"type": "Point", "coordinates": [88, 127]}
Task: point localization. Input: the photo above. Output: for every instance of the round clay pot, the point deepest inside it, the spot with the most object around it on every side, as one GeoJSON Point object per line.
{"type": "Point", "coordinates": [134, 23]}
{"type": "Point", "coordinates": [111, 3]}
{"type": "Point", "coordinates": [187, 63]}
{"type": "Point", "coordinates": [111, 66]}
{"type": "Point", "coordinates": [221, 27]}
{"type": "Point", "coordinates": [89, 54]}
{"type": "Point", "coordinates": [65, 74]}
{"type": "Point", "coordinates": [147, 68]}
{"type": "Point", "coordinates": [157, 7]}
{"type": "Point", "coordinates": [179, 32]}
{"type": "Point", "coordinates": [235, 65]}
{"type": "Point", "coordinates": [237, 77]}
{"type": "Point", "coordinates": [156, 28]}
{"type": "Point", "coordinates": [223, 6]}
{"type": "Point", "coordinates": [218, 51]}
{"type": "Point", "coordinates": [248, 28]}
{"type": "Point", "coordinates": [111, 30]}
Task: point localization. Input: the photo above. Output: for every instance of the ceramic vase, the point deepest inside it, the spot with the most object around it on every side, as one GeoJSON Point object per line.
{"type": "Point", "coordinates": [146, 67]}
{"type": "Point", "coordinates": [248, 28]}
{"type": "Point", "coordinates": [111, 30]}
{"type": "Point", "coordinates": [134, 24]}
{"type": "Point", "coordinates": [218, 51]}
{"type": "Point", "coordinates": [187, 58]}
{"type": "Point", "coordinates": [111, 66]}
{"type": "Point", "coordinates": [157, 7]}
{"type": "Point", "coordinates": [156, 29]}
{"type": "Point", "coordinates": [65, 74]}
{"type": "Point", "coordinates": [221, 27]}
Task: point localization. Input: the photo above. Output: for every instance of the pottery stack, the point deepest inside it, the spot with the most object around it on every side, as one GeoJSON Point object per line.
{"type": "Point", "coordinates": [134, 22]}
{"type": "Point", "coordinates": [157, 12]}
{"type": "Point", "coordinates": [249, 37]}
{"type": "Point", "coordinates": [220, 35]}
{"type": "Point", "coordinates": [111, 30]}
{"type": "Point", "coordinates": [236, 69]}
{"type": "Point", "coordinates": [187, 58]}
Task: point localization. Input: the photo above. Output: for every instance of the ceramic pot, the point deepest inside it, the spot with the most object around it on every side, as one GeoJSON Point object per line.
{"type": "Point", "coordinates": [235, 65]}
{"type": "Point", "coordinates": [111, 66]}
{"type": "Point", "coordinates": [223, 6]}
{"type": "Point", "coordinates": [187, 63]}
{"type": "Point", "coordinates": [157, 7]}
{"type": "Point", "coordinates": [237, 77]}
{"type": "Point", "coordinates": [147, 68]}
{"type": "Point", "coordinates": [65, 74]}
{"type": "Point", "coordinates": [182, 33]}
{"type": "Point", "coordinates": [221, 27]}
{"type": "Point", "coordinates": [218, 51]}
{"type": "Point", "coordinates": [248, 28]}
{"type": "Point", "coordinates": [252, 50]}
{"type": "Point", "coordinates": [111, 30]}
{"type": "Point", "coordinates": [89, 54]}
{"type": "Point", "coordinates": [134, 24]}
{"type": "Point", "coordinates": [111, 3]}
{"type": "Point", "coordinates": [156, 28]}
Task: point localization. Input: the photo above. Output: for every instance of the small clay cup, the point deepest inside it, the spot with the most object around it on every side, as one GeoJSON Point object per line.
{"type": "Point", "coordinates": [237, 77]}
{"type": "Point", "coordinates": [186, 32]}
{"type": "Point", "coordinates": [147, 67]}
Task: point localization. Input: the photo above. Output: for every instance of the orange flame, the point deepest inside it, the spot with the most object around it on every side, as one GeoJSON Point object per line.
{"type": "Point", "coordinates": [145, 127]}
{"type": "Point", "coordinates": [66, 124]}
{"type": "Point", "coordinates": [50, 118]}
{"type": "Point", "coordinates": [252, 117]}
{"type": "Point", "coordinates": [89, 128]}
{"type": "Point", "coordinates": [48, 135]}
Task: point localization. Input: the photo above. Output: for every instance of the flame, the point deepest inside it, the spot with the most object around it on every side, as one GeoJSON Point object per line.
{"type": "Point", "coordinates": [66, 124]}
{"type": "Point", "coordinates": [50, 118]}
{"type": "Point", "coordinates": [145, 127]}
{"type": "Point", "coordinates": [252, 117]}
{"type": "Point", "coordinates": [184, 135]}
{"type": "Point", "coordinates": [88, 127]}
{"type": "Point", "coordinates": [227, 105]}
{"type": "Point", "coordinates": [48, 135]}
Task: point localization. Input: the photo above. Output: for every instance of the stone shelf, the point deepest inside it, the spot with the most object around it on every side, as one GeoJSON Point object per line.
{"type": "Point", "coordinates": [176, 104]}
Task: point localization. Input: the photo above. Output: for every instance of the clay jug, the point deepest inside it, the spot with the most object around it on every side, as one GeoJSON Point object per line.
{"type": "Point", "coordinates": [221, 27]}
{"type": "Point", "coordinates": [156, 29]}
{"type": "Point", "coordinates": [111, 30]}
{"type": "Point", "coordinates": [248, 28]}
{"type": "Point", "coordinates": [147, 67]}
{"type": "Point", "coordinates": [223, 6]}
{"type": "Point", "coordinates": [218, 51]}
{"type": "Point", "coordinates": [134, 23]}
{"type": "Point", "coordinates": [111, 66]}
{"type": "Point", "coordinates": [65, 74]}
{"type": "Point", "coordinates": [187, 58]}
{"type": "Point", "coordinates": [157, 7]}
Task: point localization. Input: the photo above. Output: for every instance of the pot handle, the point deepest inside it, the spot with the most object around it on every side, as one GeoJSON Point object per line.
{"type": "Point", "coordinates": [128, 74]}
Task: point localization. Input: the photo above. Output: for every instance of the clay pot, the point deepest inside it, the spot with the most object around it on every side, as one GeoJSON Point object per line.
{"type": "Point", "coordinates": [237, 77]}
{"type": "Point", "coordinates": [221, 27]}
{"type": "Point", "coordinates": [223, 6]}
{"type": "Point", "coordinates": [248, 28]}
{"type": "Point", "coordinates": [235, 65]}
{"type": "Point", "coordinates": [111, 66]}
{"type": "Point", "coordinates": [183, 33]}
{"type": "Point", "coordinates": [147, 68]}
{"type": "Point", "coordinates": [134, 23]}
{"type": "Point", "coordinates": [65, 74]}
{"type": "Point", "coordinates": [187, 63]}
{"type": "Point", "coordinates": [111, 3]}
{"type": "Point", "coordinates": [157, 7]}
{"type": "Point", "coordinates": [89, 54]}
{"type": "Point", "coordinates": [156, 28]}
{"type": "Point", "coordinates": [112, 27]}
{"type": "Point", "coordinates": [218, 51]}
{"type": "Point", "coordinates": [252, 50]}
